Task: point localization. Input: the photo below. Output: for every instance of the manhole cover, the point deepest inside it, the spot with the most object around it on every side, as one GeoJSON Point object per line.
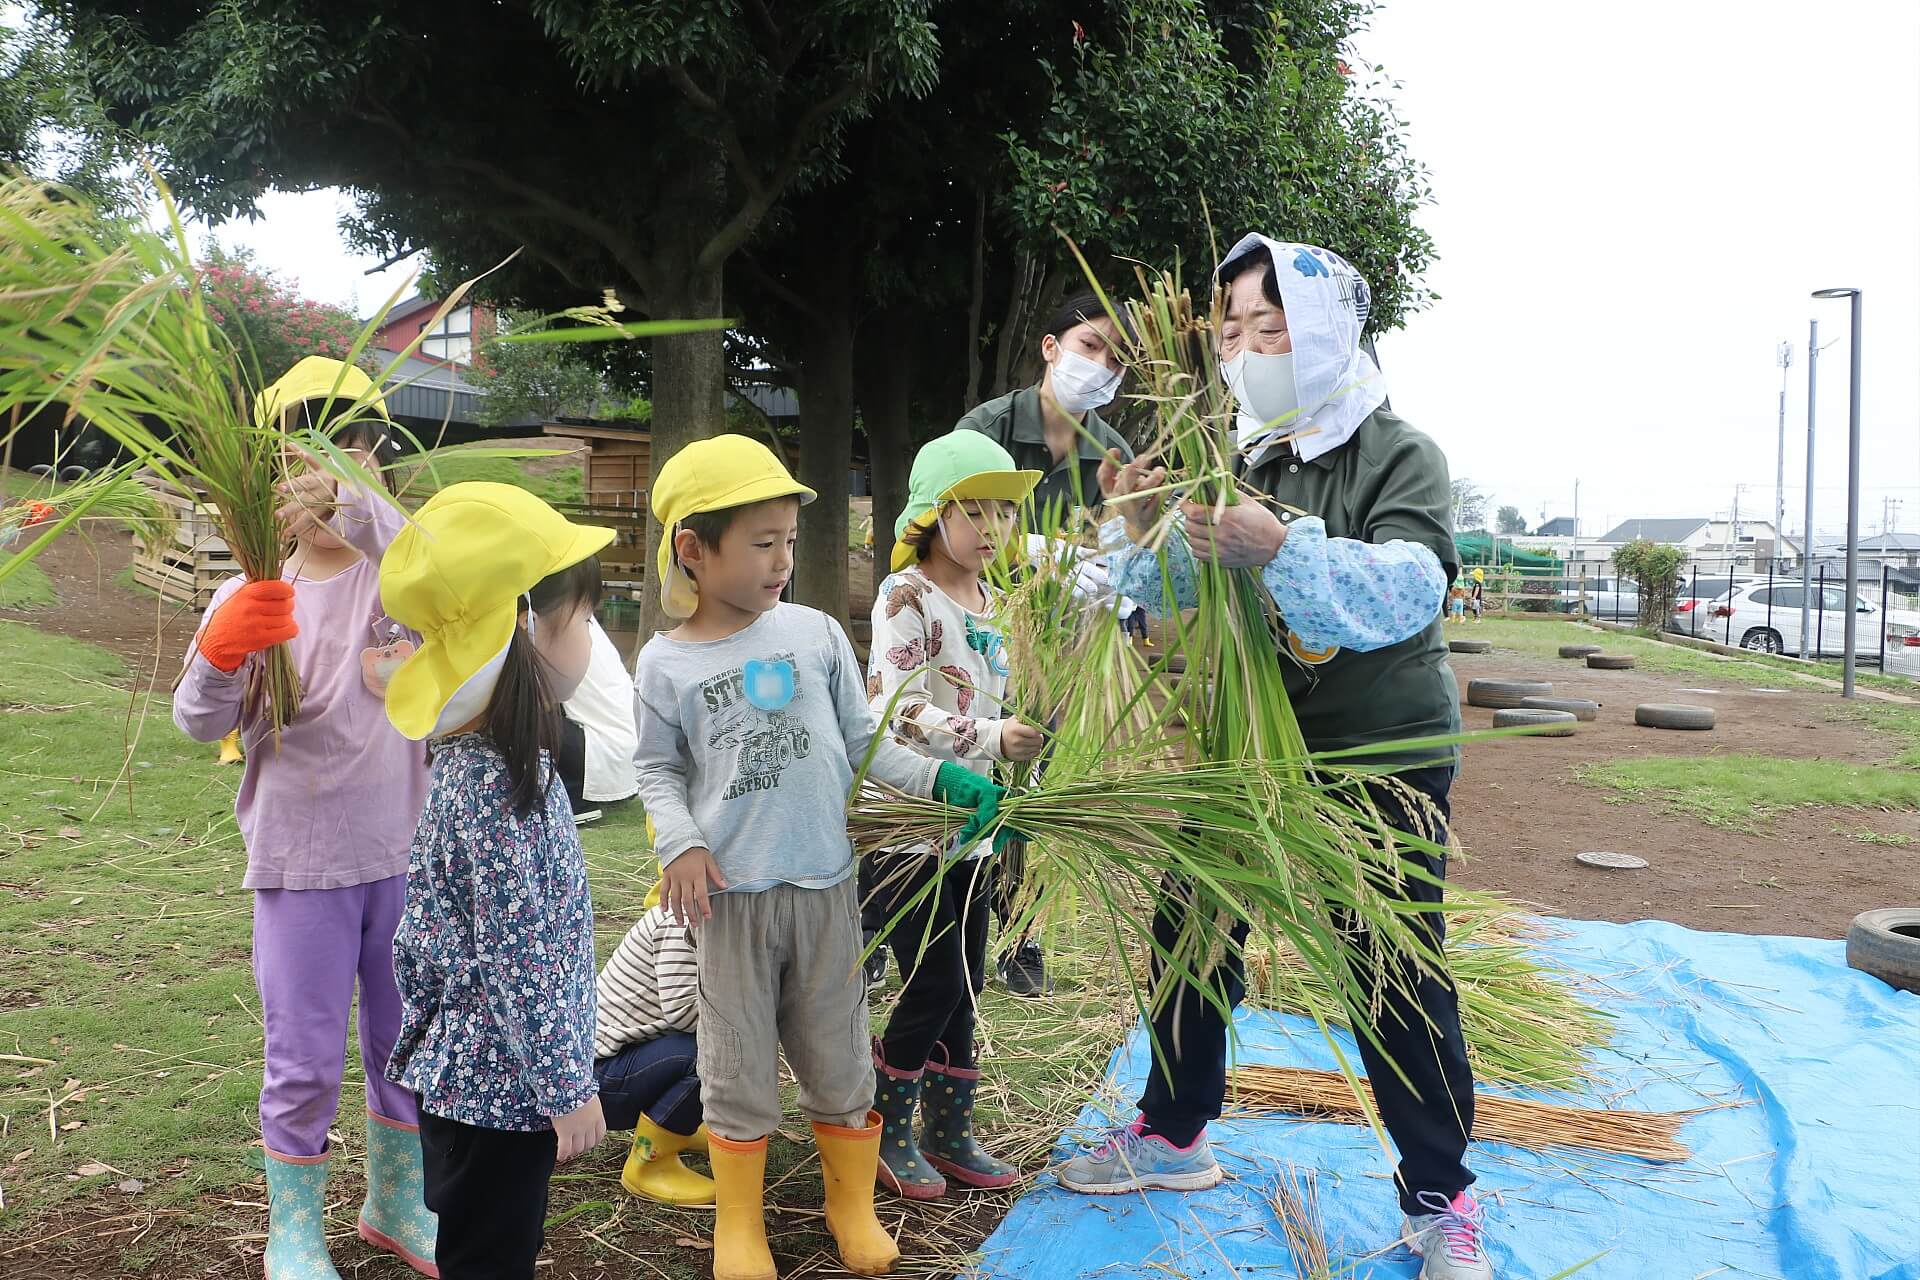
{"type": "Point", "coordinates": [1612, 861]}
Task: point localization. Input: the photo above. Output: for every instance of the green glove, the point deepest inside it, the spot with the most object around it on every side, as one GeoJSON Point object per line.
{"type": "Point", "coordinates": [965, 789]}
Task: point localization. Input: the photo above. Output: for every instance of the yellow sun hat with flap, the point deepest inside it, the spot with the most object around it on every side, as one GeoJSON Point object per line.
{"type": "Point", "coordinates": [456, 574]}
{"type": "Point", "coordinates": [953, 468]}
{"type": "Point", "coordinates": [711, 475]}
{"type": "Point", "coordinates": [316, 378]}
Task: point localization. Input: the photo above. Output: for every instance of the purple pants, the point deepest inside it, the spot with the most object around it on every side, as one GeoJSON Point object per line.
{"type": "Point", "coordinates": [309, 946]}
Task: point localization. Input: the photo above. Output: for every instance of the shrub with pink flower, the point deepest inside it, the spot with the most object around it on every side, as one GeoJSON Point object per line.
{"type": "Point", "coordinates": [264, 316]}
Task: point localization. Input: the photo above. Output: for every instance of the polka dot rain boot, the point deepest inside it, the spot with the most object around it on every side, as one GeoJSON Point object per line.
{"type": "Point", "coordinates": [946, 1127]}
{"type": "Point", "coordinates": [902, 1169]}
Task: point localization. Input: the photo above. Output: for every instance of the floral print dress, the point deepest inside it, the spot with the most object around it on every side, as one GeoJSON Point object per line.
{"type": "Point", "coordinates": [494, 956]}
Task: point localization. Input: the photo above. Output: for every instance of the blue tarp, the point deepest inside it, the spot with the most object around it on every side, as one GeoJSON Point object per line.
{"type": "Point", "coordinates": [1816, 1178]}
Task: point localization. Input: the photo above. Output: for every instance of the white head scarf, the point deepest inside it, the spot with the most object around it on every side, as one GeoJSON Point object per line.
{"type": "Point", "coordinates": [1337, 384]}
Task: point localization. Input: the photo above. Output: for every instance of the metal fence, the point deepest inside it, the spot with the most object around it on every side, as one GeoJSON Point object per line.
{"type": "Point", "coordinates": [1704, 608]}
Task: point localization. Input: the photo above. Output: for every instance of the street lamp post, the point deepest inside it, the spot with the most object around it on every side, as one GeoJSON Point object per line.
{"type": "Point", "coordinates": [1785, 357]}
{"type": "Point", "coordinates": [1853, 481]}
{"type": "Point", "coordinates": [1806, 530]}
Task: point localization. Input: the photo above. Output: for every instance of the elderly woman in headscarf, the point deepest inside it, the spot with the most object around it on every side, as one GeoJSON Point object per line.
{"type": "Point", "coordinates": [1356, 549]}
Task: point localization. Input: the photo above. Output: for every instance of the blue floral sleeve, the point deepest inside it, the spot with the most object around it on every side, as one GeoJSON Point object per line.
{"type": "Point", "coordinates": [1333, 592]}
{"type": "Point", "coordinates": [1352, 594]}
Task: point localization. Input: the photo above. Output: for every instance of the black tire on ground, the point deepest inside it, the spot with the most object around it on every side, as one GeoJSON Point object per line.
{"type": "Point", "coordinates": [1485, 692]}
{"type": "Point", "coordinates": [1578, 650]}
{"type": "Point", "coordinates": [70, 474]}
{"type": "Point", "coordinates": [1610, 661]}
{"type": "Point", "coordinates": [1578, 708]}
{"type": "Point", "coordinates": [1672, 715]}
{"type": "Point", "coordinates": [1470, 646]}
{"type": "Point", "coordinates": [1515, 717]}
{"type": "Point", "coordinates": [1886, 944]}
{"type": "Point", "coordinates": [41, 469]}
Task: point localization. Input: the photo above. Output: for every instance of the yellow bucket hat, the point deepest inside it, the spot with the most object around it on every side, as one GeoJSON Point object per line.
{"type": "Point", "coordinates": [711, 475]}
{"type": "Point", "coordinates": [959, 465]}
{"type": "Point", "coordinates": [316, 378]}
{"type": "Point", "coordinates": [456, 575]}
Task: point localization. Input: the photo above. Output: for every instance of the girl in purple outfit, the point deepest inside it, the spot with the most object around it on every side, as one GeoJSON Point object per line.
{"type": "Point", "coordinates": [327, 816]}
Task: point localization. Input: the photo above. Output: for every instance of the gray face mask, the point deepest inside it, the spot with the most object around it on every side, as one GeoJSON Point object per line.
{"type": "Point", "coordinates": [1263, 388]}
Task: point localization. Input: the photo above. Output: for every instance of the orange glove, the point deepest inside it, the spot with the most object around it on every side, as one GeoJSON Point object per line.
{"type": "Point", "coordinates": [257, 616]}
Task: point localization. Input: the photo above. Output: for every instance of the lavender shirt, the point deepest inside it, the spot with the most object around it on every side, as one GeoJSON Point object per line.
{"type": "Point", "coordinates": [337, 803]}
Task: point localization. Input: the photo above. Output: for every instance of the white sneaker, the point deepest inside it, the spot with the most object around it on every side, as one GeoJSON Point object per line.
{"type": "Point", "coordinates": [1450, 1238]}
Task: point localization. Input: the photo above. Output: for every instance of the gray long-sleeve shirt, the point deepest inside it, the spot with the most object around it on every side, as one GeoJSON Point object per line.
{"type": "Point", "coordinates": [749, 745]}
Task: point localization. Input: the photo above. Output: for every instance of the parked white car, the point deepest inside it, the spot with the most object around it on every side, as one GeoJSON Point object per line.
{"type": "Point", "coordinates": [1766, 619]}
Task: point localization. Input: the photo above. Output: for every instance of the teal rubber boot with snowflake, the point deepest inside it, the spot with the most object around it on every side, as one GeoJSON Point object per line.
{"type": "Point", "coordinates": [395, 1216]}
{"type": "Point", "coordinates": [297, 1218]}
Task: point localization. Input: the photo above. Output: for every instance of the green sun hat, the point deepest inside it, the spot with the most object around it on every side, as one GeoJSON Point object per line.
{"type": "Point", "coordinates": [953, 468]}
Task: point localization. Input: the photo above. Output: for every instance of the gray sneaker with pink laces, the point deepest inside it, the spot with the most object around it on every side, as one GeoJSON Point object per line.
{"type": "Point", "coordinates": [1450, 1238]}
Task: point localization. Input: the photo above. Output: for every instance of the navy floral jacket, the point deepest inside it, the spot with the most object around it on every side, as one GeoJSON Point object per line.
{"type": "Point", "coordinates": [494, 956]}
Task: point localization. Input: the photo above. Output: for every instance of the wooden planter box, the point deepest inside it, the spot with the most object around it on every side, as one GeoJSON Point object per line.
{"type": "Point", "coordinates": [188, 567]}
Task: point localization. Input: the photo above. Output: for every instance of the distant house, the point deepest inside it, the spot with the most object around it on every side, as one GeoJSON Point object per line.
{"type": "Point", "coordinates": [1558, 527]}
{"type": "Point", "coordinates": [452, 338]}
{"type": "Point", "coordinates": [1748, 547]}
{"type": "Point", "coordinates": [1677, 533]}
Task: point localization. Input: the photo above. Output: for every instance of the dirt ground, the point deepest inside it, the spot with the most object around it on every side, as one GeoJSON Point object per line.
{"type": "Point", "coordinates": [1522, 819]}
{"type": "Point", "coordinates": [93, 607]}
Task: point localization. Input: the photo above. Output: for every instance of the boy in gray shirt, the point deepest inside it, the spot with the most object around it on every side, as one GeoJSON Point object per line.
{"type": "Point", "coordinates": [753, 720]}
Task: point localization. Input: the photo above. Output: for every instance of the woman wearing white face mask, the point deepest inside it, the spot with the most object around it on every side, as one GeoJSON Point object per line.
{"type": "Point", "coordinates": [1054, 426]}
{"type": "Point", "coordinates": [1357, 552]}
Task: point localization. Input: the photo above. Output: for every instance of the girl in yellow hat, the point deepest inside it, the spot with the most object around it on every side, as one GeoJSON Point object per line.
{"type": "Point", "coordinates": [494, 954]}
{"type": "Point", "coordinates": [326, 812]}
{"type": "Point", "coordinates": [938, 663]}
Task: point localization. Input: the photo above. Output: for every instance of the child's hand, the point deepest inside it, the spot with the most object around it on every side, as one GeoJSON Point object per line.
{"type": "Point", "coordinates": [1020, 741]}
{"type": "Point", "coordinates": [1120, 481]}
{"type": "Point", "coordinates": [683, 886]}
{"type": "Point", "coordinates": [580, 1130]}
{"type": "Point", "coordinates": [310, 503]}
{"type": "Point", "coordinates": [257, 616]}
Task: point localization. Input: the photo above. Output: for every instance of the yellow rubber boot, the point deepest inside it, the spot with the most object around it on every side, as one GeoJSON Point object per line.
{"type": "Point", "coordinates": [739, 1222]}
{"type": "Point", "coordinates": [848, 1159]}
{"type": "Point", "coordinates": [698, 1142]}
{"type": "Point", "coordinates": [230, 752]}
{"type": "Point", "coordinates": [653, 1170]}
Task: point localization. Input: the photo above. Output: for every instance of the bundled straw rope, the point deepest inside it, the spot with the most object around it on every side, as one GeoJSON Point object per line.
{"type": "Point", "coordinates": [1326, 1095]}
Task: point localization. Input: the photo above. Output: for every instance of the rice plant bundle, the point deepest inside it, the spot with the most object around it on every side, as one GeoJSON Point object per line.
{"type": "Point", "coordinates": [1526, 1023]}
{"type": "Point", "coordinates": [1328, 1095]}
{"type": "Point", "coordinates": [115, 494]}
{"type": "Point", "coordinates": [1296, 1205]}
{"type": "Point", "coordinates": [107, 319]}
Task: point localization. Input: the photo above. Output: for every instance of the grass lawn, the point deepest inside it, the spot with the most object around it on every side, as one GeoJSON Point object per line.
{"type": "Point", "coordinates": [130, 1025]}
{"type": "Point", "coordinates": [1543, 640]}
{"type": "Point", "coordinates": [27, 587]}
{"type": "Point", "coordinates": [1744, 791]}
{"type": "Point", "coordinates": [563, 484]}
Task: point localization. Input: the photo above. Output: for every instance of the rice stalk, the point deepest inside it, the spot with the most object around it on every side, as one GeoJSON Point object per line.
{"type": "Point", "coordinates": [1526, 1023]}
{"type": "Point", "coordinates": [112, 494]}
{"type": "Point", "coordinates": [1327, 1095]}
{"type": "Point", "coordinates": [1296, 1206]}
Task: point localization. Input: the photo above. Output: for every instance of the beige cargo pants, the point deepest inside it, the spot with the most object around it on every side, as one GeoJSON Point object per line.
{"type": "Point", "coordinates": [779, 970]}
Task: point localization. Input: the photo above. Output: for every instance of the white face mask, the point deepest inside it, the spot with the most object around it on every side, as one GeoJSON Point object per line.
{"type": "Point", "coordinates": [1079, 384]}
{"type": "Point", "coordinates": [1262, 386]}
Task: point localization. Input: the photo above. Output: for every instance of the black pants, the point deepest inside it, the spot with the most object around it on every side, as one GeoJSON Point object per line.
{"type": "Point", "coordinates": [1429, 1123]}
{"type": "Point", "coordinates": [489, 1187]}
{"type": "Point", "coordinates": [570, 762]}
{"type": "Point", "coordinates": [941, 948]}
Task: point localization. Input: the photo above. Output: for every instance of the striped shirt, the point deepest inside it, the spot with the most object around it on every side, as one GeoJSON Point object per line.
{"type": "Point", "coordinates": [648, 987]}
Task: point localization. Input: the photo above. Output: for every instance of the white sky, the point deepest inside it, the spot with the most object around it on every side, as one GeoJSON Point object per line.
{"type": "Point", "coordinates": [1632, 203]}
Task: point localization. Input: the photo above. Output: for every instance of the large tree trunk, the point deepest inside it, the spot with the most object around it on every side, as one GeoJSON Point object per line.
{"type": "Point", "coordinates": [689, 400]}
{"type": "Point", "coordinates": [826, 455]}
{"type": "Point", "coordinates": [886, 387]}
{"type": "Point", "coordinates": [689, 369]}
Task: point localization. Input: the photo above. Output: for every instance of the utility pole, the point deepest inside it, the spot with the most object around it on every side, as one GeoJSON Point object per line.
{"type": "Point", "coordinates": [1785, 357]}
{"type": "Point", "coordinates": [1573, 557]}
{"type": "Point", "coordinates": [1852, 630]}
{"type": "Point", "coordinates": [1806, 534]}
{"type": "Point", "coordinates": [1733, 536]}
